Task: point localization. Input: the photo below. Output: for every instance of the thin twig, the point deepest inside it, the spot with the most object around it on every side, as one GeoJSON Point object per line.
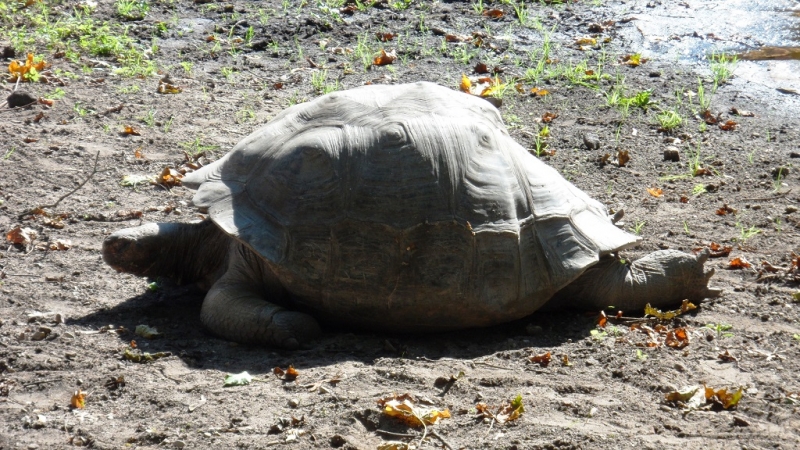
{"type": "Point", "coordinates": [440, 438]}
{"type": "Point", "coordinates": [483, 363]}
{"type": "Point", "coordinates": [57, 202]}
{"type": "Point", "coordinates": [34, 383]}
{"type": "Point", "coordinates": [400, 435]}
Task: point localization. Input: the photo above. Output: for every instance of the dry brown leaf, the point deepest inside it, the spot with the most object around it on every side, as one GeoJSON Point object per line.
{"type": "Point", "coordinates": [709, 118]}
{"type": "Point", "coordinates": [385, 37]}
{"type": "Point", "coordinates": [623, 157]}
{"type": "Point", "coordinates": [456, 38]}
{"type": "Point", "coordinates": [722, 397]}
{"type": "Point", "coordinates": [677, 338]}
{"type": "Point", "coordinates": [725, 209]}
{"type": "Point", "coordinates": [511, 410]}
{"type": "Point", "coordinates": [493, 13]}
{"type": "Point", "coordinates": [728, 126]}
{"type": "Point", "coordinates": [129, 130]}
{"type": "Point", "coordinates": [166, 88]}
{"type": "Point", "coordinates": [481, 68]}
{"type": "Point", "coordinates": [542, 359]}
{"type": "Point", "coordinates": [78, 400]}
{"type": "Point", "coordinates": [726, 356]}
{"type": "Point", "coordinates": [385, 58]}
{"type": "Point", "coordinates": [290, 374]}
{"type": "Point", "coordinates": [548, 117]}
{"type": "Point", "coordinates": [739, 263]}
{"type": "Point", "coordinates": [404, 408]}
{"type": "Point", "coordinates": [22, 236]}
{"type": "Point", "coordinates": [655, 192]}
{"type": "Point", "coordinates": [602, 320]}
{"type": "Point", "coordinates": [60, 245]}
{"type": "Point", "coordinates": [169, 177]}
{"type": "Point", "coordinates": [716, 250]}
{"type": "Point", "coordinates": [741, 112]}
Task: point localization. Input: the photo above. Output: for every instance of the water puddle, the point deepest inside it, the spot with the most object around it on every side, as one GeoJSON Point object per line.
{"type": "Point", "coordinates": [764, 34]}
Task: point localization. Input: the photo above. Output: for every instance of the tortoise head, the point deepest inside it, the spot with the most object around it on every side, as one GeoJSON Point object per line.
{"type": "Point", "coordinates": [135, 250]}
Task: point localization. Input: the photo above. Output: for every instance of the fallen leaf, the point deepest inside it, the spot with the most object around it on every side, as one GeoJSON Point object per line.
{"type": "Point", "coordinates": [677, 338]}
{"type": "Point", "coordinates": [739, 263]}
{"type": "Point", "coordinates": [602, 320]}
{"type": "Point", "coordinates": [456, 38]}
{"type": "Point", "coordinates": [726, 356]}
{"type": "Point", "coordinates": [493, 13]}
{"type": "Point", "coordinates": [146, 332]}
{"type": "Point", "coordinates": [634, 60]}
{"type": "Point", "coordinates": [60, 245]}
{"type": "Point", "coordinates": [623, 157]}
{"type": "Point", "coordinates": [722, 397]}
{"type": "Point", "coordinates": [22, 236]}
{"type": "Point", "coordinates": [542, 359]}
{"type": "Point", "coordinates": [539, 92]}
{"type": "Point", "coordinates": [78, 400]}
{"type": "Point", "coordinates": [404, 408]}
{"type": "Point", "coordinates": [725, 209]}
{"type": "Point", "coordinates": [138, 356]}
{"type": "Point", "coordinates": [481, 68]}
{"type": "Point", "coordinates": [385, 37]}
{"type": "Point", "coordinates": [20, 70]}
{"type": "Point", "coordinates": [716, 250]}
{"type": "Point", "coordinates": [741, 112]}
{"type": "Point", "coordinates": [384, 58]}
{"type": "Point", "coordinates": [466, 84]}
{"type": "Point", "coordinates": [169, 177]}
{"type": "Point", "coordinates": [506, 412]}
{"type": "Point", "coordinates": [166, 88]}
{"type": "Point", "coordinates": [238, 379]}
{"type": "Point", "coordinates": [129, 130]}
{"type": "Point", "coordinates": [690, 397]}
{"type": "Point", "coordinates": [684, 199]}
{"type": "Point", "coordinates": [290, 374]}
{"type": "Point", "coordinates": [548, 117]}
{"type": "Point", "coordinates": [395, 445]}
{"type": "Point", "coordinates": [655, 192]}
{"type": "Point", "coordinates": [586, 41]}
{"type": "Point", "coordinates": [669, 315]}
{"type": "Point", "coordinates": [728, 126]}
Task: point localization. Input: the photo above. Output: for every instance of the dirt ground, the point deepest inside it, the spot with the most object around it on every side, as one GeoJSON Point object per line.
{"type": "Point", "coordinates": [67, 320]}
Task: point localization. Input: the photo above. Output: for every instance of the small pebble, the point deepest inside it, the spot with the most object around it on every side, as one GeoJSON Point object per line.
{"type": "Point", "coordinates": [294, 403]}
{"type": "Point", "coordinates": [591, 141]}
{"type": "Point", "coordinates": [671, 153]}
{"type": "Point", "coordinates": [790, 209]}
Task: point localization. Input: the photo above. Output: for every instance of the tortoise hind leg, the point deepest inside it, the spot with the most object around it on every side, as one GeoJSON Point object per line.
{"type": "Point", "coordinates": [238, 307]}
{"type": "Point", "coordinates": [662, 279]}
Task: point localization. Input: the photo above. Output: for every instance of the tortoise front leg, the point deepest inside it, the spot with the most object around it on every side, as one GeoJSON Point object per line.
{"type": "Point", "coordinates": [238, 307]}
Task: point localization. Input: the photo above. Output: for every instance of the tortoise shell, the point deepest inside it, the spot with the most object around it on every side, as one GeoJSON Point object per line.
{"type": "Point", "coordinates": [405, 207]}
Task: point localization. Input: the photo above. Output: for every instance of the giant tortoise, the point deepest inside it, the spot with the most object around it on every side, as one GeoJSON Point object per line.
{"type": "Point", "coordinates": [402, 207]}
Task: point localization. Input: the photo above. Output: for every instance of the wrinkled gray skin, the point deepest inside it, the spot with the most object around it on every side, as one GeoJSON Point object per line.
{"type": "Point", "coordinates": [394, 208]}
